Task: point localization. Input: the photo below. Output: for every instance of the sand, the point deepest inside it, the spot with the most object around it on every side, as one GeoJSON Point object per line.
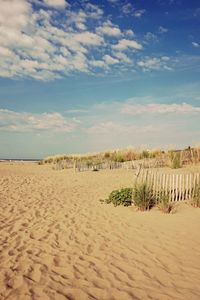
{"type": "Point", "coordinates": [57, 241]}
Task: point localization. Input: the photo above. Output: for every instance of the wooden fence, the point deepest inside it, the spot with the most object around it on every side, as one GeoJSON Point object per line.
{"type": "Point", "coordinates": [177, 187]}
{"type": "Point", "coordinates": [134, 164]}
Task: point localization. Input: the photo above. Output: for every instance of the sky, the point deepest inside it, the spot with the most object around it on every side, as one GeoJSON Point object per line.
{"type": "Point", "coordinates": [86, 75]}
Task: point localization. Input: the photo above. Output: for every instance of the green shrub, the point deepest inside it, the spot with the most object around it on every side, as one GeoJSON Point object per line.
{"type": "Point", "coordinates": [164, 203]}
{"type": "Point", "coordinates": [89, 163]}
{"type": "Point", "coordinates": [196, 196]}
{"type": "Point", "coordinates": [175, 158]}
{"type": "Point", "coordinates": [144, 154]}
{"type": "Point", "coordinates": [143, 196]}
{"type": "Point", "coordinates": [119, 158]}
{"type": "Point", "coordinates": [61, 165]}
{"type": "Point", "coordinates": [107, 155]}
{"type": "Point", "coordinates": [120, 197]}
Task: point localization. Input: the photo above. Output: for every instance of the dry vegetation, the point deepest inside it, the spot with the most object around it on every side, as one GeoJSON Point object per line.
{"type": "Point", "coordinates": [142, 195]}
{"type": "Point", "coordinates": [173, 158]}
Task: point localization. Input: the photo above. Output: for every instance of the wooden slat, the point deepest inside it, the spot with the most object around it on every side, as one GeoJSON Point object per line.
{"type": "Point", "coordinates": [198, 178]}
{"type": "Point", "coordinates": [183, 188]}
{"type": "Point", "coordinates": [157, 186]}
{"type": "Point", "coordinates": [170, 186]}
{"type": "Point", "coordinates": [190, 186]}
{"type": "Point", "coordinates": [180, 188]}
{"type": "Point", "coordinates": [172, 176]}
{"type": "Point", "coordinates": [153, 184]}
{"type": "Point", "coordinates": [160, 185]}
{"type": "Point", "coordinates": [163, 184]}
{"type": "Point", "coordinates": [176, 187]}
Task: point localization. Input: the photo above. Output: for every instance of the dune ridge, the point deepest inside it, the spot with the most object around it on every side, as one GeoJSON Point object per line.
{"type": "Point", "coordinates": [58, 242]}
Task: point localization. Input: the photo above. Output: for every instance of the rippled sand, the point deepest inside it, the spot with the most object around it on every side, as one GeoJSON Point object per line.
{"type": "Point", "coordinates": [57, 241]}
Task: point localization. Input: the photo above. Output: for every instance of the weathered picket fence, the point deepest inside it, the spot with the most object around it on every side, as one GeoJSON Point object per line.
{"type": "Point", "coordinates": [81, 167]}
{"type": "Point", "coordinates": [178, 187]}
{"type": "Point", "coordinates": [134, 164]}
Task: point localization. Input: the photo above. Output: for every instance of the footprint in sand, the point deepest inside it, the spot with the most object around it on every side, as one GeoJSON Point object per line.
{"type": "Point", "coordinates": [90, 249]}
{"type": "Point", "coordinates": [35, 273]}
{"type": "Point", "coordinates": [15, 282]}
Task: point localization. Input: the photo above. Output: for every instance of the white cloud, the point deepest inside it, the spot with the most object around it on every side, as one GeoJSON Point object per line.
{"type": "Point", "coordinates": [116, 128]}
{"type": "Point", "coordinates": [109, 29]}
{"type": "Point", "coordinates": [94, 11]}
{"type": "Point", "coordinates": [98, 63]}
{"type": "Point", "coordinates": [129, 32]}
{"type": "Point", "coordinates": [162, 29]}
{"type": "Point", "coordinates": [195, 44]}
{"type": "Point", "coordinates": [110, 60]}
{"type": "Point", "coordinates": [138, 13]}
{"type": "Point", "coordinates": [156, 108]}
{"type": "Point", "coordinates": [28, 122]}
{"type": "Point", "coordinates": [124, 44]}
{"type": "Point", "coordinates": [151, 37]}
{"type": "Point", "coordinates": [154, 63]}
{"type": "Point", "coordinates": [5, 52]}
{"type": "Point", "coordinates": [56, 3]}
{"type": "Point", "coordinates": [127, 8]}
{"type": "Point", "coordinates": [111, 124]}
{"type": "Point", "coordinates": [88, 38]}
{"type": "Point", "coordinates": [165, 58]}
{"type": "Point", "coordinates": [76, 111]}
{"type": "Point", "coordinates": [34, 44]}
{"type": "Point", "coordinates": [122, 57]}
{"type": "Point", "coordinates": [14, 14]}
{"type": "Point", "coordinates": [78, 19]}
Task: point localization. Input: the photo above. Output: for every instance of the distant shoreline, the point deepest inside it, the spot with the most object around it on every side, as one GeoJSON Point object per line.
{"type": "Point", "coordinates": [18, 159]}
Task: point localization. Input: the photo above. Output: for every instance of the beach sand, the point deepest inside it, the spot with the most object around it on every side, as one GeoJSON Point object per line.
{"type": "Point", "coordinates": [57, 241]}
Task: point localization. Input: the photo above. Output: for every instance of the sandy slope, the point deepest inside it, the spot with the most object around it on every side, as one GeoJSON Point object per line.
{"type": "Point", "coordinates": [58, 242]}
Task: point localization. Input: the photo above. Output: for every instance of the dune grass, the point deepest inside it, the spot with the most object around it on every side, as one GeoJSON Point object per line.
{"type": "Point", "coordinates": [173, 158]}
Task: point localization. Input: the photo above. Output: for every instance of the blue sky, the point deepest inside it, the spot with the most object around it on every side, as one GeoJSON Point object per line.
{"type": "Point", "coordinates": [84, 76]}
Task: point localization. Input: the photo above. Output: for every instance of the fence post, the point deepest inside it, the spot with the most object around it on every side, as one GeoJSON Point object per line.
{"type": "Point", "coordinates": [166, 188]}
{"type": "Point", "coordinates": [178, 187]}
{"type": "Point", "coordinates": [170, 186]}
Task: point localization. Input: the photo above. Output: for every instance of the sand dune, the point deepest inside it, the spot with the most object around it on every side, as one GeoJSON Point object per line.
{"type": "Point", "coordinates": [59, 242]}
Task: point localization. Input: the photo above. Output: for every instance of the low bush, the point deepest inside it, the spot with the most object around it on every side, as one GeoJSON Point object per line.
{"type": "Point", "coordinates": [119, 158]}
{"type": "Point", "coordinates": [175, 158]}
{"type": "Point", "coordinates": [196, 196]}
{"type": "Point", "coordinates": [143, 196]}
{"type": "Point", "coordinates": [107, 155]}
{"type": "Point", "coordinates": [89, 163]}
{"type": "Point", "coordinates": [120, 197]}
{"type": "Point", "coordinates": [164, 203]}
{"type": "Point", "coordinates": [61, 165]}
{"type": "Point", "coordinates": [145, 154]}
